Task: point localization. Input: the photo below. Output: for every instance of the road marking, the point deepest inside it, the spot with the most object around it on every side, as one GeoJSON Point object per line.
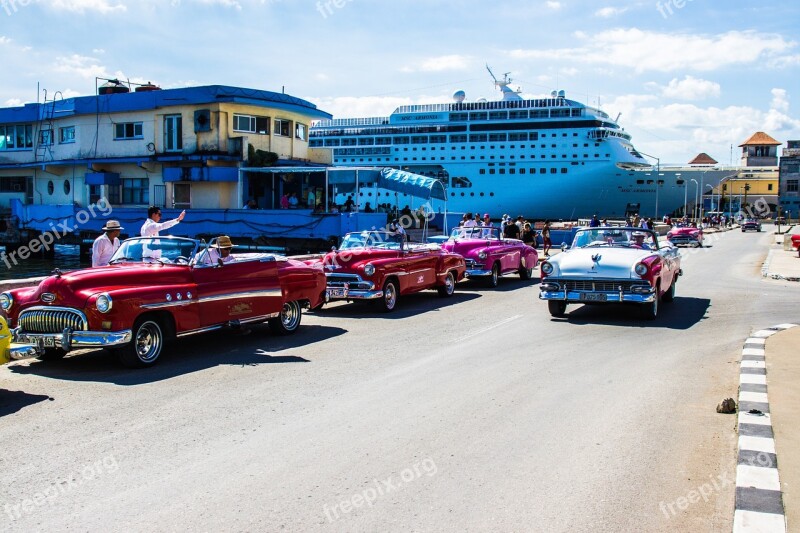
{"type": "Point", "coordinates": [489, 328]}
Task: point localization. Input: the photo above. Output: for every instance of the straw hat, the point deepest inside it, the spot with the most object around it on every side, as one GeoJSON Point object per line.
{"type": "Point", "coordinates": [112, 225]}
{"type": "Point", "coordinates": [223, 241]}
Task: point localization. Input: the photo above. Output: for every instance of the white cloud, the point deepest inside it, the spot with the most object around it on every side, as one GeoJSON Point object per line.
{"type": "Point", "coordinates": [691, 88]}
{"type": "Point", "coordinates": [780, 100]}
{"type": "Point", "coordinates": [440, 64]}
{"type": "Point", "coordinates": [81, 6]}
{"type": "Point", "coordinates": [225, 3]}
{"type": "Point", "coordinates": [85, 67]}
{"type": "Point", "coordinates": [641, 50]}
{"type": "Point", "coordinates": [608, 12]}
{"type": "Point", "coordinates": [98, 51]}
{"type": "Point", "coordinates": [4, 39]}
{"type": "Point", "coordinates": [554, 5]}
{"type": "Point", "coordinates": [13, 102]}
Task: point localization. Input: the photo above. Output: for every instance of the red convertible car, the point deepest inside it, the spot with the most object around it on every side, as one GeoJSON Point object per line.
{"type": "Point", "coordinates": [490, 256]}
{"type": "Point", "coordinates": [157, 288]}
{"type": "Point", "coordinates": [611, 265]}
{"type": "Point", "coordinates": [382, 266]}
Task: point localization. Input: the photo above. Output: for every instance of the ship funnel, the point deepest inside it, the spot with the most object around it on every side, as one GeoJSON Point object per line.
{"type": "Point", "coordinates": [561, 94]}
{"type": "Point", "coordinates": [459, 96]}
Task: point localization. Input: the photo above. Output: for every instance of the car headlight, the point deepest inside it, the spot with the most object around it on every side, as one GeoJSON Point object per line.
{"type": "Point", "coordinates": [481, 255]}
{"type": "Point", "coordinates": [369, 269]}
{"type": "Point", "coordinates": [6, 301]}
{"type": "Point", "coordinates": [547, 268]}
{"type": "Point", "coordinates": [103, 303]}
{"type": "Point", "coordinates": [640, 269]}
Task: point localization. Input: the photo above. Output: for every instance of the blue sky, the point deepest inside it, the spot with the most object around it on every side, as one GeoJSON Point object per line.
{"type": "Point", "coordinates": [687, 76]}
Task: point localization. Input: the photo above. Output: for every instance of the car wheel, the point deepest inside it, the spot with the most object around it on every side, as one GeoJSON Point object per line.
{"type": "Point", "coordinates": [495, 276]}
{"type": "Point", "coordinates": [145, 348]}
{"type": "Point", "coordinates": [525, 273]}
{"type": "Point", "coordinates": [670, 294]}
{"type": "Point", "coordinates": [650, 310]}
{"type": "Point", "coordinates": [390, 295]}
{"type": "Point", "coordinates": [289, 319]}
{"type": "Point", "coordinates": [557, 308]}
{"type": "Point", "coordinates": [449, 286]}
{"type": "Point", "coordinates": [52, 354]}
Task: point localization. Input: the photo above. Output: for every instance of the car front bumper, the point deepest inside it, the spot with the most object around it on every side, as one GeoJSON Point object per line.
{"type": "Point", "coordinates": [477, 273]}
{"type": "Point", "coordinates": [549, 290]}
{"type": "Point", "coordinates": [344, 293]}
{"type": "Point", "coordinates": [684, 241]}
{"type": "Point", "coordinates": [72, 340]}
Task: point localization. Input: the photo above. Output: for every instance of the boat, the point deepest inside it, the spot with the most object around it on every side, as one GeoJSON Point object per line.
{"type": "Point", "coordinates": [543, 158]}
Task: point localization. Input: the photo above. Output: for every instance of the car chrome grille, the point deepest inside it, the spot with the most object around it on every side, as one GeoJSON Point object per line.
{"type": "Point", "coordinates": [353, 281]}
{"type": "Point", "coordinates": [471, 264]}
{"type": "Point", "coordinates": [599, 285]}
{"type": "Point", "coordinates": [52, 320]}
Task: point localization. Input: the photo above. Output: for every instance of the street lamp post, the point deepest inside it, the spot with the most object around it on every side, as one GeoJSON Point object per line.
{"type": "Point", "coordinates": [696, 188]}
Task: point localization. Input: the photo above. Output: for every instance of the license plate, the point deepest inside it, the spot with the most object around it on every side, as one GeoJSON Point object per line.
{"type": "Point", "coordinates": [337, 292]}
{"type": "Point", "coordinates": [593, 297]}
{"type": "Point", "coordinates": [43, 342]}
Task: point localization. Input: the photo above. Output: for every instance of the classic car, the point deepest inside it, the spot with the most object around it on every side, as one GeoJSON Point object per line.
{"type": "Point", "coordinates": [381, 266]}
{"type": "Point", "coordinates": [751, 224]}
{"type": "Point", "coordinates": [155, 289]}
{"type": "Point", "coordinates": [796, 242]}
{"type": "Point", "coordinates": [611, 265]}
{"type": "Point", "coordinates": [488, 255]}
{"type": "Point", "coordinates": [686, 235]}
{"type": "Point", "coordinates": [12, 351]}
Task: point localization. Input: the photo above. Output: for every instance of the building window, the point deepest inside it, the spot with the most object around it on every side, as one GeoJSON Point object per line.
{"type": "Point", "coordinates": [16, 137]}
{"type": "Point", "coordinates": [173, 133]}
{"type": "Point", "coordinates": [50, 188]}
{"type": "Point", "coordinates": [282, 127]}
{"type": "Point", "coordinates": [135, 191]}
{"type": "Point", "coordinates": [251, 124]}
{"type": "Point", "coordinates": [66, 135]}
{"type": "Point", "coordinates": [45, 137]}
{"type": "Point", "coordinates": [769, 186]}
{"type": "Point", "coordinates": [13, 184]}
{"type": "Point", "coordinates": [127, 130]}
{"type": "Point", "coordinates": [300, 131]}
{"type": "Point", "coordinates": [67, 187]}
{"type": "Point", "coordinates": [792, 185]}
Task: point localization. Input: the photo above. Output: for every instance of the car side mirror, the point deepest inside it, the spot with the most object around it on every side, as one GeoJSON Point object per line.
{"type": "Point", "coordinates": [564, 247]}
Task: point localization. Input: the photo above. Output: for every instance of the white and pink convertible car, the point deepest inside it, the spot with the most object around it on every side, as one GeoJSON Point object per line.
{"type": "Point", "coordinates": [611, 265]}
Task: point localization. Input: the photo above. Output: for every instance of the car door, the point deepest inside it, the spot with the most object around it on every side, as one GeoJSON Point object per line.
{"type": "Point", "coordinates": [510, 252]}
{"type": "Point", "coordinates": [419, 265]}
{"type": "Point", "coordinates": [241, 290]}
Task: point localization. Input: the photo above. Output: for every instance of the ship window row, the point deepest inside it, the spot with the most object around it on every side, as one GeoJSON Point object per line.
{"type": "Point", "coordinates": [517, 115]}
{"type": "Point", "coordinates": [477, 106]}
{"type": "Point", "coordinates": [341, 153]}
{"type": "Point", "coordinates": [522, 170]}
{"type": "Point", "coordinates": [389, 130]}
{"type": "Point", "coordinates": [515, 136]}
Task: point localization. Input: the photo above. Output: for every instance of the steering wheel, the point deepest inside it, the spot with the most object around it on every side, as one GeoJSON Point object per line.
{"type": "Point", "coordinates": [181, 260]}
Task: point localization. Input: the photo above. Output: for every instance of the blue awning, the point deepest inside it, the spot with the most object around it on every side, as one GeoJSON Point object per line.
{"type": "Point", "coordinates": [200, 174]}
{"type": "Point", "coordinates": [413, 184]}
{"type": "Point", "coordinates": [101, 178]}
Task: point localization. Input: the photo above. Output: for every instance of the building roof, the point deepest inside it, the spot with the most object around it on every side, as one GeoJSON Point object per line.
{"type": "Point", "coordinates": [760, 138]}
{"type": "Point", "coordinates": [703, 159]}
{"type": "Point", "coordinates": [133, 101]}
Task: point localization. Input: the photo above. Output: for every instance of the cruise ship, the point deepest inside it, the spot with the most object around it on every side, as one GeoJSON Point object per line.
{"type": "Point", "coordinates": [543, 158]}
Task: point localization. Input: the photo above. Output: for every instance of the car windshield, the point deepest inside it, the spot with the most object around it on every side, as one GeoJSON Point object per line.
{"type": "Point", "coordinates": [475, 232]}
{"type": "Point", "coordinates": [172, 250]}
{"type": "Point", "coordinates": [616, 237]}
{"type": "Point", "coordinates": [372, 239]}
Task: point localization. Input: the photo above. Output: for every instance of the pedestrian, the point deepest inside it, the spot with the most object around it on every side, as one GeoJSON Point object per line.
{"type": "Point", "coordinates": [106, 244]}
{"type": "Point", "coordinates": [293, 201]}
{"type": "Point", "coordinates": [546, 242]}
{"type": "Point", "coordinates": [311, 199]}
{"type": "Point", "coordinates": [528, 235]}
{"type": "Point", "coordinates": [348, 204]}
{"type": "Point", "coordinates": [153, 225]}
{"type": "Point", "coordinates": [368, 208]}
{"type": "Point", "coordinates": [470, 221]}
{"type": "Point", "coordinates": [512, 230]}
{"type": "Point", "coordinates": [594, 222]}
{"type": "Point", "coordinates": [285, 201]}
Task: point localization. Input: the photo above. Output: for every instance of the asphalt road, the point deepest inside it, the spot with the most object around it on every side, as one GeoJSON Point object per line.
{"type": "Point", "coordinates": [473, 413]}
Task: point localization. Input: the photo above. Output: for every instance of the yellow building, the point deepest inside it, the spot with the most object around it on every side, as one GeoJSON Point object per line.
{"type": "Point", "coordinates": [174, 148]}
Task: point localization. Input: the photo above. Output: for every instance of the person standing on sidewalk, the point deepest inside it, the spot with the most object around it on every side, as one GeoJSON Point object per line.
{"type": "Point", "coordinates": [106, 244]}
{"type": "Point", "coordinates": [153, 225]}
{"type": "Point", "coordinates": [546, 242]}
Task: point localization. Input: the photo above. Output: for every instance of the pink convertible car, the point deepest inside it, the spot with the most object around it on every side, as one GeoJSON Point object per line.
{"type": "Point", "coordinates": [490, 256]}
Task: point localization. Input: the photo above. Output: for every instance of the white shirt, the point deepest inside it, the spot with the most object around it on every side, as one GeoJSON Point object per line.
{"type": "Point", "coordinates": [469, 223]}
{"type": "Point", "coordinates": [103, 249]}
{"type": "Point", "coordinates": [150, 228]}
{"type": "Point", "coordinates": [212, 257]}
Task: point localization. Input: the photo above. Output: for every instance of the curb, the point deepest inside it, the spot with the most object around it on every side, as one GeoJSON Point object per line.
{"type": "Point", "coordinates": [759, 502]}
{"type": "Point", "coordinates": [765, 273]}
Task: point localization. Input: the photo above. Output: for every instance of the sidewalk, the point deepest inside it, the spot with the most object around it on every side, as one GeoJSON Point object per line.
{"type": "Point", "coordinates": [781, 263]}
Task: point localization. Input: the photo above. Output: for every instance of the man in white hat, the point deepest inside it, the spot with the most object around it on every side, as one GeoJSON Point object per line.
{"type": "Point", "coordinates": [219, 251]}
{"type": "Point", "coordinates": [106, 244]}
